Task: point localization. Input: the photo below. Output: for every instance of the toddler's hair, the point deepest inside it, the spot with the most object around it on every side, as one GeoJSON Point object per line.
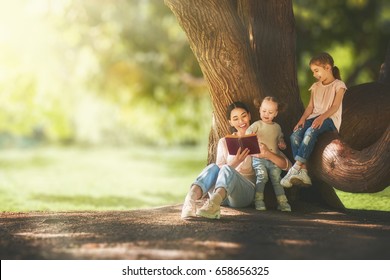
{"type": "Point", "coordinates": [281, 106]}
{"type": "Point", "coordinates": [325, 58]}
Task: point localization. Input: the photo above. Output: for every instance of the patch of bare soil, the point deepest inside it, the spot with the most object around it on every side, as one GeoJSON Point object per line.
{"type": "Point", "coordinates": [159, 233]}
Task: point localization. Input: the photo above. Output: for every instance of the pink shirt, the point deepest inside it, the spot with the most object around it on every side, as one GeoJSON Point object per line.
{"type": "Point", "coordinates": [323, 96]}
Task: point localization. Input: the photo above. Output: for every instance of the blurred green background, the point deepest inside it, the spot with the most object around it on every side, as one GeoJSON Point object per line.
{"type": "Point", "coordinates": [103, 105]}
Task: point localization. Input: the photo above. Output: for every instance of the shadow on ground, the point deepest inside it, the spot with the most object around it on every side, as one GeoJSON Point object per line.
{"type": "Point", "coordinates": [159, 233]}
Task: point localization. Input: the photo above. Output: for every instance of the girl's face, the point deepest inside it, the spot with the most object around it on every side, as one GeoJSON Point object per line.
{"type": "Point", "coordinates": [268, 111]}
{"type": "Point", "coordinates": [322, 72]}
{"type": "Point", "coordinates": [240, 120]}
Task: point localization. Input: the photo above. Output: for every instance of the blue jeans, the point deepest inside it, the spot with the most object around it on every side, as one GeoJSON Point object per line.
{"type": "Point", "coordinates": [304, 139]}
{"type": "Point", "coordinates": [264, 170]}
{"type": "Point", "coordinates": [240, 191]}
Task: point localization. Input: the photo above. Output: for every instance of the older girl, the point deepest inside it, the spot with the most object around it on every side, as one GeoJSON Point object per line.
{"type": "Point", "coordinates": [321, 115]}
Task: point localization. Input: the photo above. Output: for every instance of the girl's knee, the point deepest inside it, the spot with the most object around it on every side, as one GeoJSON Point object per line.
{"type": "Point", "coordinates": [310, 131]}
{"type": "Point", "coordinates": [295, 138]}
{"type": "Point", "coordinates": [309, 135]}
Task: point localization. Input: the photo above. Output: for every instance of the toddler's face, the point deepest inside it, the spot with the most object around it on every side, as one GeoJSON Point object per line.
{"type": "Point", "coordinates": [268, 111]}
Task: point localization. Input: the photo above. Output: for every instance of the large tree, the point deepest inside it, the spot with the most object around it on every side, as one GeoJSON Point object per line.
{"type": "Point", "coordinates": [246, 50]}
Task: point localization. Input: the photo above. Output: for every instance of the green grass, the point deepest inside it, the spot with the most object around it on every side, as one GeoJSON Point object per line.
{"type": "Point", "coordinates": [369, 201]}
{"type": "Point", "coordinates": [70, 179]}
{"type": "Point", "coordinates": [55, 179]}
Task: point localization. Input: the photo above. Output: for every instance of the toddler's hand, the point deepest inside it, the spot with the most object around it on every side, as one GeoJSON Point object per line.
{"type": "Point", "coordinates": [282, 145]}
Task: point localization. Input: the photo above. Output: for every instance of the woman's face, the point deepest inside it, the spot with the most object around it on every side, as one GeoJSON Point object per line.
{"type": "Point", "coordinates": [240, 120]}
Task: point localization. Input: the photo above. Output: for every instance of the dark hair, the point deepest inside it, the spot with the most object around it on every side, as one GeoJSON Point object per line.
{"type": "Point", "coordinates": [234, 105]}
{"type": "Point", "coordinates": [325, 58]}
{"type": "Point", "coordinates": [281, 106]}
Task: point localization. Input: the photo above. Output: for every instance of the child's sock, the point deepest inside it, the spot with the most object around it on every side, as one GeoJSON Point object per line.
{"type": "Point", "coordinates": [297, 166]}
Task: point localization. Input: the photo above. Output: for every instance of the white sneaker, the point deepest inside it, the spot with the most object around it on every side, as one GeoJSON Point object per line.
{"type": "Point", "coordinates": [301, 179]}
{"type": "Point", "coordinates": [286, 181]}
{"type": "Point", "coordinates": [283, 204]}
{"type": "Point", "coordinates": [209, 210]}
{"type": "Point", "coordinates": [212, 208]}
{"type": "Point", "coordinates": [259, 202]}
{"type": "Point", "coordinates": [189, 209]}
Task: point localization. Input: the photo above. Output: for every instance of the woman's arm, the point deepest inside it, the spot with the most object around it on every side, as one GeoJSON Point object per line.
{"type": "Point", "coordinates": [281, 161]}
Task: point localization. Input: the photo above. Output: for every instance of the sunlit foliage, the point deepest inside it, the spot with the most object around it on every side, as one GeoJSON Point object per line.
{"type": "Point", "coordinates": [96, 72]}
{"type": "Point", "coordinates": [121, 71]}
{"type": "Point", "coordinates": [355, 32]}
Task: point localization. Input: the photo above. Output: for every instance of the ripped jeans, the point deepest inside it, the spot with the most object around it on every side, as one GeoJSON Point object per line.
{"type": "Point", "coordinates": [240, 191]}
{"type": "Point", "coordinates": [265, 170]}
{"type": "Point", "coordinates": [304, 139]}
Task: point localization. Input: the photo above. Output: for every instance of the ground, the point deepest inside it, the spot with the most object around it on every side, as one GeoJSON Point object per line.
{"type": "Point", "coordinates": [159, 233]}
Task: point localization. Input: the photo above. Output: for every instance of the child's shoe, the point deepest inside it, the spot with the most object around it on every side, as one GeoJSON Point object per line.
{"type": "Point", "coordinates": [301, 179]}
{"type": "Point", "coordinates": [283, 204]}
{"type": "Point", "coordinates": [259, 201]}
{"type": "Point", "coordinates": [212, 208]}
{"type": "Point", "coordinates": [286, 181]}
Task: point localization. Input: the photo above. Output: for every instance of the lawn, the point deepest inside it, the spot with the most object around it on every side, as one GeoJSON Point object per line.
{"type": "Point", "coordinates": [76, 178]}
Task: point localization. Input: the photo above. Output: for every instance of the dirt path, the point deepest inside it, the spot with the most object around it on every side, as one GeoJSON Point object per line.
{"type": "Point", "coordinates": [159, 233]}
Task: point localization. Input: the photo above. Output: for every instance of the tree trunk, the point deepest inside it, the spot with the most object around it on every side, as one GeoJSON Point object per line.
{"type": "Point", "coordinates": [246, 50]}
{"type": "Point", "coordinates": [240, 56]}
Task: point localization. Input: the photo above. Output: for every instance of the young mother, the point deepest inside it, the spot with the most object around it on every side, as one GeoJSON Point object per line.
{"type": "Point", "coordinates": [232, 176]}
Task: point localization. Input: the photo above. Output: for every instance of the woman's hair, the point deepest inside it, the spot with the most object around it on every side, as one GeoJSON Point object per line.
{"type": "Point", "coordinates": [234, 105]}
{"type": "Point", "coordinates": [281, 106]}
{"type": "Point", "coordinates": [325, 58]}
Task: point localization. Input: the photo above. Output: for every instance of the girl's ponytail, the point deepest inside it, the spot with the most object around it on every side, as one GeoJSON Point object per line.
{"type": "Point", "coordinates": [336, 72]}
{"type": "Point", "coordinates": [326, 58]}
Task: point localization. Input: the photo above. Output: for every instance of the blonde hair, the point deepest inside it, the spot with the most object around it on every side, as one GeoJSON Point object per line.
{"type": "Point", "coordinates": [281, 106]}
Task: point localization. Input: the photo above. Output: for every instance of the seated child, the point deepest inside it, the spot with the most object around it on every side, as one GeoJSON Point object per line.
{"type": "Point", "coordinates": [270, 134]}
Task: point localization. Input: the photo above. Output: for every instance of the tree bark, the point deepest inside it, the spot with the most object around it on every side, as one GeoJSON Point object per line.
{"type": "Point", "coordinates": [219, 42]}
{"type": "Point", "coordinates": [240, 55]}
{"type": "Point", "coordinates": [358, 159]}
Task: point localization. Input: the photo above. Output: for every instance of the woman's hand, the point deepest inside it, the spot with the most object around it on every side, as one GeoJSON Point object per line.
{"type": "Point", "coordinates": [239, 157]}
{"type": "Point", "coordinates": [264, 151]}
{"type": "Point", "coordinates": [282, 145]}
{"type": "Point", "coordinates": [281, 161]}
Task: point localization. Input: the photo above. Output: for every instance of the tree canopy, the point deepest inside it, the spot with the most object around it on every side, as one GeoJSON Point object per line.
{"type": "Point", "coordinates": [77, 71]}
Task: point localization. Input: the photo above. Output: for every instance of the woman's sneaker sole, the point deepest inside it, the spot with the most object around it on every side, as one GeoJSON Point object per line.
{"type": "Point", "coordinates": [208, 215]}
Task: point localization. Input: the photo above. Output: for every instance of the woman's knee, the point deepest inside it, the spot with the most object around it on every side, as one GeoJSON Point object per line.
{"type": "Point", "coordinates": [226, 169]}
{"type": "Point", "coordinates": [213, 166]}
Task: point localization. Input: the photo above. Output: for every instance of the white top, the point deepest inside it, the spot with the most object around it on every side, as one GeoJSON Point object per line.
{"type": "Point", "coordinates": [223, 157]}
{"type": "Point", "coordinates": [323, 96]}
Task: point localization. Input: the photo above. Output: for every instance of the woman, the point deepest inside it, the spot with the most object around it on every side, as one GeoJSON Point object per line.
{"type": "Point", "coordinates": [232, 176]}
